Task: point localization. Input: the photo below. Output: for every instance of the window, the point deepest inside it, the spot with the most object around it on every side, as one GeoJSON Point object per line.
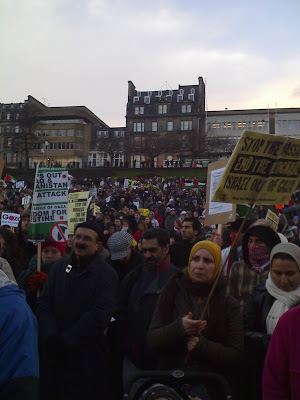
{"type": "Point", "coordinates": [38, 133]}
{"type": "Point", "coordinates": [186, 108]}
{"type": "Point", "coordinates": [45, 132]}
{"type": "Point", "coordinates": [261, 124]}
{"type": "Point", "coordinates": [191, 96]}
{"type": "Point", "coordinates": [79, 133]}
{"type": "Point", "coordinates": [154, 126]}
{"type": "Point", "coordinates": [103, 159]}
{"type": "Point", "coordinates": [102, 134]}
{"type": "Point", "coordinates": [53, 146]}
{"type": "Point", "coordinates": [181, 91]}
{"type": "Point", "coordinates": [78, 146]}
{"type": "Point", "coordinates": [170, 92]}
{"type": "Point", "coordinates": [138, 110]}
{"type": "Point", "coordinates": [8, 116]}
{"type": "Point", "coordinates": [186, 125]}
{"type": "Point", "coordinates": [138, 93]}
{"type": "Point", "coordinates": [192, 91]}
{"type": "Point", "coordinates": [179, 98]}
{"type": "Point", "coordinates": [138, 127]}
{"type": "Point", "coordinates": [241, 125]}
{"type": "Point", "coordinates": [61, 146]}
{"type": "Point", "coordinates": [168, 97]}
{"type": "Point", "coordinates": [170, 126]}
{"type": "Point", "coordinates": [70, 132]}
{"type": "Point", "coordinates": [17, 115]}
{"type": "Point", "coordinates": [53, 132]}
{"type": "Point", "coordinates": [159, 93]}
{"type": "Point", "coordinates": [147, 99]}
{"type": "Point", "coordinates": [69, 146]}
{"type": "Point", "coordinates": [162, 109]}
{"type": "Point", "coordinates": [136, 99]}
{"type": "Point", "coordinates": [118, 134]}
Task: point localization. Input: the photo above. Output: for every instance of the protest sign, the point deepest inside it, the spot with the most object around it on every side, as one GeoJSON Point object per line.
{"type": "Point", "coordinates": [20, 184]}
{"type": "Point", "coordinates": [217, 212]}
{"type": "Point", "coordinates": [272, 219]}
{"type": "Point", "coordinates": [26, 201]}
{"type": "Point", "coordinates": [263, 169]}
{"type": "Point", "coordinates": [49, 205]}
{"type": "Point", "coordinates": [77, 208]}
{"type": "Point", "coordinates": [10, 219]}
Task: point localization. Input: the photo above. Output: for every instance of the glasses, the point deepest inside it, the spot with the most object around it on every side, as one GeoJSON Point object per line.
{"type": "Point", "coordinates": [83, 238]}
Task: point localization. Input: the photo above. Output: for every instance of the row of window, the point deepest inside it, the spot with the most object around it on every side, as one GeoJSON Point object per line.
{"type": "Point", "coordinates": [105, 134]}
{"type": "Point", "coordinates": [290, 124]}
{"type": "Point", "coordinates": [58, 146]}
{"type": "Point", "coordinates": [163, 109]}
{"type": "Point", "coordinates": [168, 97]}
{"type": "Point", "coordinates": [237, 125]}
{"type": "Point", "coordinates": [8, 116]}
{"type": "Point", "coordinates": [58, 132]}
{"type": "Point", "coordinates": [184, 126]}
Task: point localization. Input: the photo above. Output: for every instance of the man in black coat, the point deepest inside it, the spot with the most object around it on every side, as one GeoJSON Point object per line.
{"type": "Point", "coordinates": [74, 310]}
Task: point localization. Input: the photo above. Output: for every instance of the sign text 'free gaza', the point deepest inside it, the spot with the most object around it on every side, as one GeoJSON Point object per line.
{"type": "Point", "coordinates": [49, 204]}
{"type": "Point", "coordinates": [263, 169]}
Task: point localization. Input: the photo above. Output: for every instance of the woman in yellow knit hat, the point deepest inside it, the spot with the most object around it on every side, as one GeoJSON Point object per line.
{"type": "Point", "coordinates": [214, 344]}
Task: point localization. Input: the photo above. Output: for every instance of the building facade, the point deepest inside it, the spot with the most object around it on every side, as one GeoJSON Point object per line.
{"type": "Point", "coordinates": [52, 136]}
{"type": "Point", "coordinates": [165, 125]}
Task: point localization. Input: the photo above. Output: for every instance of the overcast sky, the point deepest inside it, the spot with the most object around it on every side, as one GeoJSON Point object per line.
{"type": "Point", "coordinates": [83, 52]}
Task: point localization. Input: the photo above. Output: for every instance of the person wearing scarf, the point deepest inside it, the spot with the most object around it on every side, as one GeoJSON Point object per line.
{"type": "Point", "coordinates": [215, 344]}
{"type": "Point", "coordinates": [268, 302]}
{"type": "Point", "coordinates": [253, 269]}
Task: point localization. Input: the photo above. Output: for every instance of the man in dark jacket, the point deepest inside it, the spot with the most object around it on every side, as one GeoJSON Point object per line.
{"type": "Point", "coordinates": [139, 293]}
{"type": "Point", "coordinates": [74, 310]}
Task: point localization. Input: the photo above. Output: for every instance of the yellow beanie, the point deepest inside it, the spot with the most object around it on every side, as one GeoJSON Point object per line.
{"type": "Point", "coordinates": [214, 250]}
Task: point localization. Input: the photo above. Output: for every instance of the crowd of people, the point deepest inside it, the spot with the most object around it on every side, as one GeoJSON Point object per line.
{"type": "Point", "coordinates": [129, 291]}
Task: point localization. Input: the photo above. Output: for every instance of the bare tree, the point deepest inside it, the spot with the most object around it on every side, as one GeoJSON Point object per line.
{"type": "Point", "coordinates": [110, 145]}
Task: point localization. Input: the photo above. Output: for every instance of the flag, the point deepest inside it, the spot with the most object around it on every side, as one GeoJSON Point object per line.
{"type": "Point", "coordinates": [9, 178]}
{"type": "Point", "coordinates": [196, 165]}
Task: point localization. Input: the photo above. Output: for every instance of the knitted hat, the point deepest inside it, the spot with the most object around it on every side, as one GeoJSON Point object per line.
{"type": "Point", "coordinates": [288, 248]}
{"type": "Point", "coordinates": [94, 226]}
{"type": "Point", "coordinates": [214, 250]}
{"type": "Point", "coordinates": [119, 244]}
{"type": "Point", "coordinates": [61, 246]}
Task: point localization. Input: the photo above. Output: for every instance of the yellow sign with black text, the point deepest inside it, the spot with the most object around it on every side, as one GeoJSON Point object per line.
{"type": "Point", "coordinates": [263, 169]}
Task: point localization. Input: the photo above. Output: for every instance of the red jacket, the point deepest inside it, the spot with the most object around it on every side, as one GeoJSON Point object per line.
{"type": "Point", "coordinates": [281, 379]}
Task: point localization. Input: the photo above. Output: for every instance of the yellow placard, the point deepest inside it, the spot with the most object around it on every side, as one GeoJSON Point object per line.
{"type": "Point", "coordinates": [272, 219]}
{"type": "Point", "coordinates": [77, 208]}
{"type": "Point", "coordinates": [263, 169]}
{"type": "Point", "coordinates": [96, 209]}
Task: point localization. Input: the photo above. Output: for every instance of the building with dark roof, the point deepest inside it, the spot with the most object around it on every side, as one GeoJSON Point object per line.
{"type": "Point", "coordinates": [165, 124]}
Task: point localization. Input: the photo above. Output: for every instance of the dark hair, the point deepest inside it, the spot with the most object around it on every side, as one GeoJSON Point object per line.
{"type": "Point", "coordinates": [162, 236]}
{"type": "Point", "coordinates": [283, 256]}
{"type": "Point", "coordinates": [12, 252]}
{"type": "Point", "coordinates": [196, 223]}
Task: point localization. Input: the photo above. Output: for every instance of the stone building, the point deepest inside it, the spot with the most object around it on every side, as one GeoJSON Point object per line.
{"type": "Point", "coordinates": [53, 136]}
{"type": "Point", "coordinates": [165, 125]}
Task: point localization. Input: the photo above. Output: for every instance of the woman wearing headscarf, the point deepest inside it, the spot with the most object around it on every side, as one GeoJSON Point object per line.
{"type": "Point", "coordinates": [214, 344]}
{"type": "Point", "coordinates": [268, 302]}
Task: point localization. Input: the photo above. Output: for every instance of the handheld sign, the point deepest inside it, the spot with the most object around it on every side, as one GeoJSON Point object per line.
{"type": "Point", "coordinates": [77, 208]}
{"type": "Point", "coordinates": [10, 219]}
{"type": "Point", "coordinates": [263, 169]}
{"type": "Point", "coordinates": [49, 204]}
{"type": "Point", "coordinates": [217, 212]}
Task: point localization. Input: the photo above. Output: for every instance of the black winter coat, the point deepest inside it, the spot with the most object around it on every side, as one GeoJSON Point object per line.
{"type": "Point", "coordinates": [138, 296]}
{"type": "Point", "coordinates": [74, 310]}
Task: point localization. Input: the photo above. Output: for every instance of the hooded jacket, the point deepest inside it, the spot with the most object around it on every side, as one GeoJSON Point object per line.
{"type": "Point", "coordinates": [19, 365]}
{"type": "Point", "coordinates": [243, 277]}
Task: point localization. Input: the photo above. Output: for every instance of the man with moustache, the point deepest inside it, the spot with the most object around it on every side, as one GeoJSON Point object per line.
{"type": "Point", "coordinates": [74, 310]}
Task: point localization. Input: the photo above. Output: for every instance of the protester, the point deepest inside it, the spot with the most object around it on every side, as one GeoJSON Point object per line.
{"type": "Point", "coordinates": [32, 280]}
{"type": "Point", "coordinates": [74, 310]}
{"type": "Point", "coordinates": [19, 364]}
{"type": "Point", "coordinates": [138, 295]}
{"type": "Point", "coordinates": [266, 305]}
{"type": "Point", "coordinates": [10, 251]}
{"type": "Point", "coordinates": [214, 343]}
{"type": "Point", "coordinates": [282, 365]}
{"type": "Point", "coordinates": [257, 244]}
{"type": "Point", "coordinates": [27, 247]}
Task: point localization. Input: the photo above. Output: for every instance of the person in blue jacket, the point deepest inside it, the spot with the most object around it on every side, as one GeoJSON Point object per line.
{"type": "Point", "coordinates": [73, 313]}
{"type": "Point", "coordinates": [19, 362]}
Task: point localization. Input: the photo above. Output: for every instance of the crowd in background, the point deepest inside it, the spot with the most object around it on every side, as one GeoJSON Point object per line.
{"type": "Point", "coordinates": [126, 293]}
